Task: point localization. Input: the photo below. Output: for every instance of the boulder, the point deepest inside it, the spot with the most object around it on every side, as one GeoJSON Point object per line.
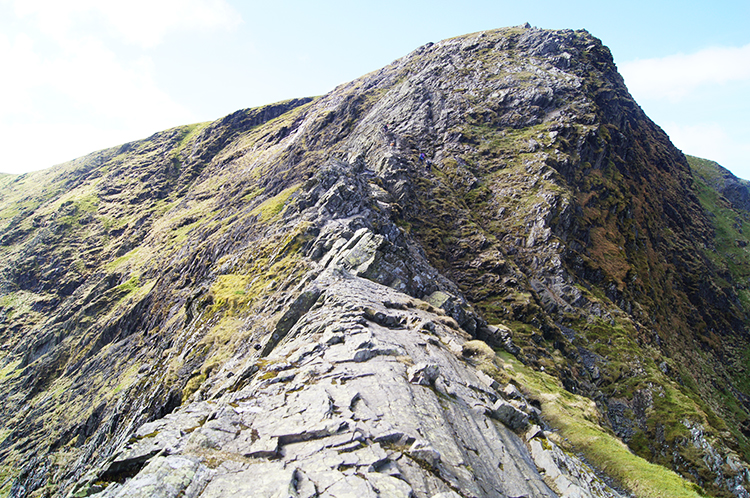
{"type": "Point", "coordinates": [423, 374]}
{"type": "Point", "coordinates": [509, 415]}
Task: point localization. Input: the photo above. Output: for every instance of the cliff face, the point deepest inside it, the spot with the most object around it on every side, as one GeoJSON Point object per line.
{"type": "Point", "coordinates": [445, 278]}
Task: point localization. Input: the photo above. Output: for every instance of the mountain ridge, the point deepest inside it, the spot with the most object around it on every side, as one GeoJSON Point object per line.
{"type": "Point", "coordinates": [502, 186]}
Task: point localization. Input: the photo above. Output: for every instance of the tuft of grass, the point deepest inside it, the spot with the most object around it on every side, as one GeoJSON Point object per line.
{"type": "Point", "coordinates": [188, 132]}
{"type": "Point", "coordinates": [192, 386]}
{"type": "Point", "coordinates": [122, 260]}
{"type": "Point", "coordinates": [730, 226]}
{"type": "Point", "coordinates": [270, 208]}
{"type": "Point", "coordinates": [127, 378]}
{"type": "Point", "coordinates": [9, 371]}
{"type": "Point", "coordinates": [230, 291]}
{"type": "Point", "coordinates": [221, 342]}
{"type": "Point", "coordinates": [252, 194]}
{"type": "Point", "coordinates": [127, 287]}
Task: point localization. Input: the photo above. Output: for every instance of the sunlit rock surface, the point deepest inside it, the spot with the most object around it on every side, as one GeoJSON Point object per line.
{"type": "Point", "coordinates": [478, 271]}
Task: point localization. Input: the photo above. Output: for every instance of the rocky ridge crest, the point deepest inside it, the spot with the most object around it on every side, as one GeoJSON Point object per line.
{"type": "Point", "coordinates": [300, 297]}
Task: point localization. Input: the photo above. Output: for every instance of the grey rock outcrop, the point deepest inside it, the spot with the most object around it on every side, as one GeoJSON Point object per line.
{"type": "Point", "coordinates": [566, 474]}
{"type": "Point", "coordinates": [509, 415]}
{"type": "Point", "coordinates": [356, 411]}
{"type": "Point", "coordinates": [308, 299]}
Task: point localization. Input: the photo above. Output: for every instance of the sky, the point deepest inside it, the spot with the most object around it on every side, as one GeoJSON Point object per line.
{"type": "Point", "coordinates": [83, 75]}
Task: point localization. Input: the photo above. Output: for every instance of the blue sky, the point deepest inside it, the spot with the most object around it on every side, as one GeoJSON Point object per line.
{"type": "Point", "coordinates": [83, 75]}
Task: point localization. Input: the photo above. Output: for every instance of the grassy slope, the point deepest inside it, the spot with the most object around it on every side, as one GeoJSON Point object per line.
{"type": "Point", "coordinates": [731, 254]}
{"type": "Point", "coordinates": [194, 219]}
{"type": "Point", "coordinates": [112, 224]}
{"type": "Point", "coordinates": [576, 421]}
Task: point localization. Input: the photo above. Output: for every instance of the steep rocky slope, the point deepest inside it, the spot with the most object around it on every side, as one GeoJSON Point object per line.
{"type": "Point", "coordinates": [475, 272]}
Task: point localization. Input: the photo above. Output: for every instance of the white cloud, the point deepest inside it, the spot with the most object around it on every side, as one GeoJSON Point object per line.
{"type": "Point", "coordinates": [96, 80]}
{"type": "Point", "coordinates": [33, 146]}
{"type": "Point", "coordinates": [66, 86]}
{"type": "Point", "coordinates": [139, 22]}
{"type": "Point", "coordinates": [676, 77]}
{"type": "Point", "coordinates": [85, 81]}
{"type": "Point", "coordinates": [146, 22]}
{"type": "Point", "coordinates": [21, 68]}
{"type": "Point", "coordinates": [700, 100]}
{"type": "Point", "coordinates": [85, 69]}
{"type": "Point", "coordinates": [711, 141]}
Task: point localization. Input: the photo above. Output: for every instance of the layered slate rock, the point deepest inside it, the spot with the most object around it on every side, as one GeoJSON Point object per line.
{"type": "Point", "coordinates": [310, 297]}
{"type": "Point", "coordinates": [347, 404]}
